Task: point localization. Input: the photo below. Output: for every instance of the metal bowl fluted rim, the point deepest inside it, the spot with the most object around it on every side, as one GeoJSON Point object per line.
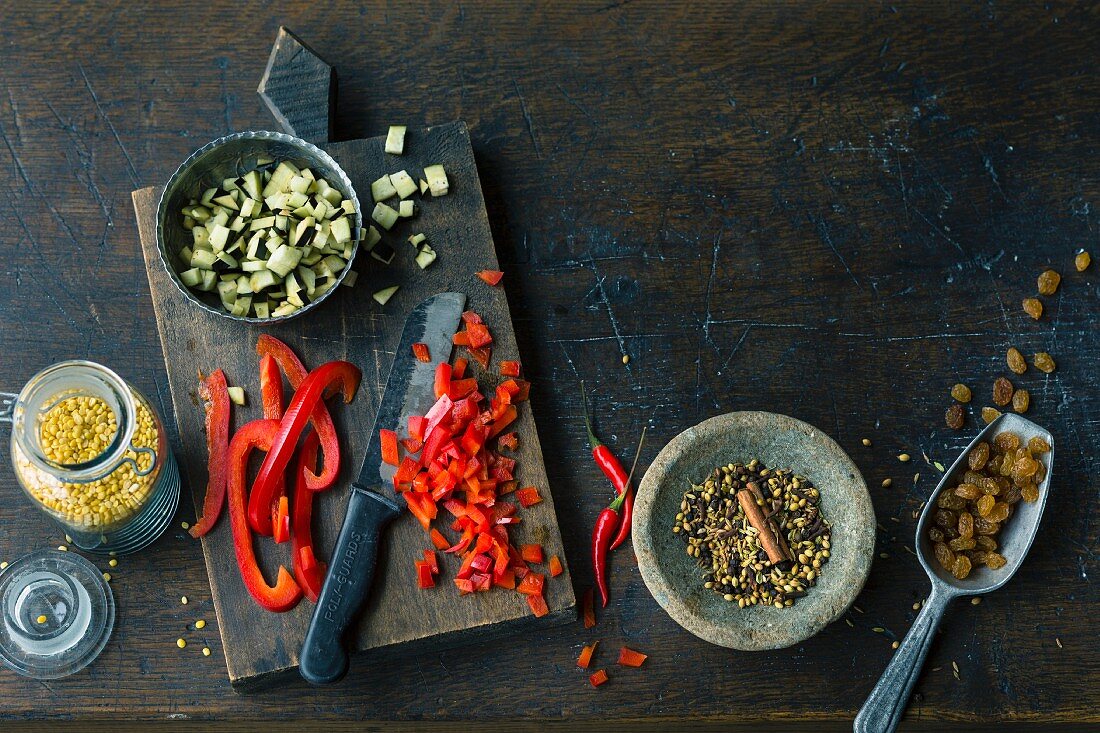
{"type": "Point", "coordinates": [308, 151]}
{"type": "Point", "coordinates": [778, 441]}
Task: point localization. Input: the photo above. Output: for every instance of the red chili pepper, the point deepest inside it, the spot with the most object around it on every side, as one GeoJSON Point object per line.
{"type": "Point", "coordinates": [605, 526]}
{"type": "Point", "coordinates": [286, 593]}
{"type": "Point", "coordinates": [271, 387]}
{"type": "Point", "coordinates": [215, 395]}
{"type": "Point", "coordinates": [321, 418]}
{"type": "Point", "coordinates": [309, 573]}
{"type": "Point", "coordinates": [491, 277]}
{"type": "Point", "coordinates": [330, 377]}
{"type": "Point", "coordinates": [614, 471]}
{"type": "Point", "coordinates": [421, 352]}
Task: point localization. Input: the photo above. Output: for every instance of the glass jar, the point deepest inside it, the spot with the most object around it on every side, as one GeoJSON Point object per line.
{"type": "Point", "coordinates": [90, 452]}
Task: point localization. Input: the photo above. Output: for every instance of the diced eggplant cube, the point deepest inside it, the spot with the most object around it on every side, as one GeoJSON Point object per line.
{"type": "Point", "coordinates": [252, 185]}
{"type": "Point", "coordinates": [423, 187]}
{"type": "Point", "coordinates": [383, 253]}
{"type": "Point", "coordinates": [382, 189]}
{"type": "Point", "coordinates": [284, 310]}
{"type": "Point", "coordinates": [228, 202]}
{"type": "Point", "coordinates": [383, 295]}
{"type": "Point", "coordinates": [340, 230]}
{"type": "Point", "coordinates": [208, 196]}
{"type": "Point", "coordinates": [253, 265]}
{"type": "Point", "coordinates": [417, 239]}
{"type": "Point", "coordinates": [244, 285]}
{"type": "Point", "coordinates": [185, 255]}
{"type": "Point", "coordinates": [425, 257]}
{"type": "Point", "coordinates": [395, 140]}
{"type": "Point", "coordinates": [348, 206]}
{"type": "Point", "coordinates": [203, 259]}
{"type": "Point", "coordinates": [333, 195]}
{"type": "Point", "coordinates": [209, 280]}
{"type": "Point", "coordinates": [437, 180]}
{"type": "Point", "coordinates": [280, 178]}
{"type": "Point", "coordinates": [384, 215]}
{"type": "Point", "coordinates": [308, 279]}
{"type": "Point", "coordinates": [284, 259]}
{"type": "Point", "coordinates": [191, 278]}
{"type": "Point", "coordinates": [262, 279]}
{"type": "Point", "coordinates": [350, 278]}
{"type": "Point", "coordinates": [373, 237]}
{"type": "Point", "coordinates": [403, 183]}
{"type": "Point", "coordinates": [218, 236]}
{"type": "Point", "coordinates": [201, 237]}
{"type": "Point", "coordinates": [262, 223]}
{"type": "Point", "coordinates": [261, 310]}
{"type": "Point", "coordinates": [300, 184]}
{"type": "Point", "coordinates": [406, 209]}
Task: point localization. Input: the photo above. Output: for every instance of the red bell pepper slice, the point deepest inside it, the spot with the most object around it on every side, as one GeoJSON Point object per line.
{"type": "Point", "coordinates": [598, 678]}
{"type": "Point", "coordinates": [421, 507]}
{"type": "Point", "coordinates": [432, 560]}
{"type": "Point", "coordinates": [465, 586]}
{"type": "Point", "coordinates": [506, 419]}
{"type": "Point", "coordinates": [459, 388]}
{"type": "Point", "coordinates": [555, 565]}
{"type": "Point", "coordinates": [524, 391]}
{"type": "Point", "coordinates": [421, 352]}
{"type": "Point", "coordinates": [412, 445]}
{"type": "Point", "coordinates": [478, 335]}
{"type": "Point", "coordinates": [286, 593]}
{"type": "Point", "coordinates": [531, 553]}
{"type": "Point", "coordinates": [439, 411]}
{"type": "Point", "coordinates": [529, 496]}
{"type": "Point", "coordinates": [390, 454]}
{"type": "Point", "coordinates": [532, 584]}
{"type": "Point", "coordinates": [417, 426]}
{"type": "Point", "coordinates": [215, 396]}
{"type": "Point", "coordinates": [481, 356]}
{"type": "Point", "coordinates": [321, 418]}
{"type": "Point", "coordinates": [309, 573]}
{"type": "Point", "coordinates": [537, 604]}
{"type": "Point", "coordinates": [631, 658]}
{"type": "Point", "coordinates": [588, 609]}
{"type": "Point", "coordinates": [442, 379]}
{"type": "Point", "coordinates": [491, 277]}
{"type": "Point", "coordinates": [439, 540]}
{"type": "Point", "coordinates": [469, 317]}
{"type": "Point", "coordinates": [271, 387]}
{"type": "Point", "coordinates": [482, 581]}
{"type": "Point", "coordinates": [587, 652]}
{"type": "Point", "coordinates": [438, 437]}
{"type": "Point", "coordinates": [507, 487]}
{"type": "Point", "coordinates": [507, 579]}
{"type": "Point", "coordinates": [336, 375]}
{"type": "Point", "coordinates": [473, 439]}
{"type": "Point", "coordinates": [424, 577]}
{"type": "Point", "coordinates": [458, 371]}
{"type": "Point", "coordinates": [509, 441]}
{"type": "Point", "coordinates": [461, 338]}
{"type": "Point", "coordinates": [509, 368]}
{"type": "Point", "coordinates": [280, 523]}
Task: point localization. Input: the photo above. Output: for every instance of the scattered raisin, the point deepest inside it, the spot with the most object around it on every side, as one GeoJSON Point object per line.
{"type": "Point", "coordinates": [962, 567]}
{"type": "Point", "coordinates": [1043, 362]}
{"type": "Point", "coordinates": [951, 501]}
{"type": "Point", "coordinates": [994, 561]}
{"type": "Point", "coordinates": [977, 459]}
{"type": "Point", "coordinates": [945, 518]}
{"type": "Point", "coordinates": [1006, 441]}
{"type": "Point", "coordinates": [935, 534]}
{"type": "Point", "coordinates": [1048, 282]}
{"type": "Point", "coordinates": [1002, 392]}
{"type": "Point", "coordinates": [989, 414]}
{"type": "Point", "coordinates": [1033, 307]}
{"type": "Point", "coordinates": [1082, 261]}
{"type": "Point", "coordinates": [1016, 361]}
{"type": "Point", "coordinates": [1038, 445]}
{"type": "Point", "coordinates": [961, 392]}
{"type": "Point", "coordinates": [1021, 400]}
{"type": "Point", "coordinates": [955, 416]}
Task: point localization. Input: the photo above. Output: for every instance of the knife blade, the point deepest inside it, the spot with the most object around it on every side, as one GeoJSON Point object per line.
{"type": "Point", "coordinates": [409, 391]}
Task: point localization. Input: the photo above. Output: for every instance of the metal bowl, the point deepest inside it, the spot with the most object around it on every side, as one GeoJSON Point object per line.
{"type": "Point", "coordinates": [234, 155]}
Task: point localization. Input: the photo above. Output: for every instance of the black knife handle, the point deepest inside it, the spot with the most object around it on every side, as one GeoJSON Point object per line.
{"type": "Point", "coordinates": [324, 659]}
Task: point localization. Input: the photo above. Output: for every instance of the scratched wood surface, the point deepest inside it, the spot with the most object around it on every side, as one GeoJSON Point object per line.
{"type": "Point", "coordinates": [831, 213]}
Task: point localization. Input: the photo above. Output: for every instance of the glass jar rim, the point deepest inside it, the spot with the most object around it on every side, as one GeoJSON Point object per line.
{"type": "Point", "coordinates": [102, 464]}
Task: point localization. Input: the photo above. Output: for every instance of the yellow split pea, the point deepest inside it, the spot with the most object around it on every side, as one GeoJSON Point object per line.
{"type": "Point", "coordinates": [77, 430]}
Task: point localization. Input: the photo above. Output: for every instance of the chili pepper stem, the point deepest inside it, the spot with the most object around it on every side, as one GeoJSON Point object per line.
{"type": "Point", "coordinates": [593, 441]}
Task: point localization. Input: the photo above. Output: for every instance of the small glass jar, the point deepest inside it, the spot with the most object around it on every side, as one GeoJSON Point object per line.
{"type": "Point", "coordinates": [90, 452]}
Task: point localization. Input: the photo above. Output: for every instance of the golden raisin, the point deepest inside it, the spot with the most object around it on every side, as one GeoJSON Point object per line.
{"type": "Point", "coordinates": [961, 392]}
{"type": "Point", "coordinates": [977, 557]}
{"type": "Point", "coordinates": [962, 567]}
{"type": "Point", "coordinates": [1021, 400]}
{"type": "Point", "coordinates": [979, 454]}
{"type": "Point", "coordinates": [935, 534]}
{"type": "Point", "coordinates": [990, 486]}
{"type": "Point", "coordinates": [1043, 362]}
{"type": "Point", "coordinates": [948, 500]}
{"type": "Point", "coordinates": [1006, 441]}
{"type": "Point", "coordinates": [1037, 445]}
{"type": "Point", "coordinates": [1029, 493]}
{"type": "Point", "coordinates": [968, 491]}
{"type": "Point", "coordinates": [944, 556]}
{"type": "Point", "coordinates": [990, 414]}
{"type": "Point", "coordinates": [985, 505]}
{"type": "Point", "coordinates": [1016, 361]}
{"type": "Point", "coordinates": [966, 526]}
{"type": "Point", "coordinates": [994, 561]}
{"type": "Point", "coordinates": [1082, 261]}
{"type": "Point", "coordinates": [955, 417]}
{"type": "Point", "coordinates": [1033, 307]}
{"type": "Point", "coordinates": [1002, 391]}
{"type": "Point", "coordinates": [985, 526]}
{"type": "Point", "coordinates": [945, 519]}
{"type": "Point", "coordinates": [1048, 282]}
{"type": "Point", "coordinates": [986, 543]}
{"type": "Point", "coordinates": [1013, 494]}
{"type": "Point", "coordinates": [999, 512]}
{"type": "Point", "coordinates": [962, 543]}
{"type": "Point", "coordinates": [1024, 469]}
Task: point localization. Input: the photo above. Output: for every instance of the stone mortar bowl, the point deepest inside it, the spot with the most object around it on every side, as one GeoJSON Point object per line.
{"type": "Point", "coordinates": [777, 441]}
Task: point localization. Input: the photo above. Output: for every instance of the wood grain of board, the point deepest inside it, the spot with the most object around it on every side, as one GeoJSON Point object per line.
{"type": "Point", "coordinates": [262, 647]}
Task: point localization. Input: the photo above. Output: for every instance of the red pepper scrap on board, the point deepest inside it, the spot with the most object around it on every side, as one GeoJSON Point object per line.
{"type": "Point", "coordinates": [606, 522]}
{"type": "Point", "coordinates": [421, 352]}
{"type": "Point", "coordinates": [598, 678]}
{"type": "Point", "coordinates": [631, 658]}
{"type": "Point", "coordinates": [491, 277]}
{"type": "Point", "coordinates": [215, 396]}
{"type": "Point", "coordinates": [614, 471]}
{"type": "Point", "coordinates": [585, 657]}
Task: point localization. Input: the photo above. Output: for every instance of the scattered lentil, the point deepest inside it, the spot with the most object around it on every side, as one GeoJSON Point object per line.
{"type": "Point", "coordinates": [107, 577]}
{"type": "Point", "coordinates": [916, 606]}
{"type": "Point", "coordinates": [183, 600]}
{"type": "Point", "coordinates": [1048, 282]}
{"type": "Point", "coordinates": [895, 645]}
{"type": "Point", "coordinates": [42, 619]}
{"type": "Point", "coordinates": [961, 392]}
{"type": "Point", "coordinates": [3, 565]}
{"type": "Point", "coordinates": [185, 525]}
{"type": "Point", "coordinates": [626, 358]}
{"type": "Point", "coordinates": [1016, 361]}
{"type": "Point", "coordinates": [975, 600]}
{"type": "Point", "coordinates": [1033, 307]}
{"type": "Point", "coordinates": [1082, 261]}
{"type": "Point", "coordinates": [181, 643]}
{"type": "Point", "coordinates": [1043, 362]}
{"type": "Point", "coordinates": [904, 458]}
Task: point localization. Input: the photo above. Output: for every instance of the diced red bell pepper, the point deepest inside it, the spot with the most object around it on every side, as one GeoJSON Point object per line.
{"type": "Point", "coordinates": [406, 471]}
{"type": "Point", "coordinates": [424, 577]}
{"type": "Point", "coordinates": [473, 439]}
{"type": "Point", "coordinates": [555, 566]}
{"type": "Point", "coordinates": [439, 411]}
{"type": "Point", "coordinates": [432, 560]}
{"type": "Point", "coordinates": [510, 386]}
{"type": "Point", "coordinates": [390, 453]}
{"type": "Point", "coordinates": [631, 658]}
{"type": "Point", "coordinates": [478, 335]}
{"type": "Point", "coordinates": [467, 567]}
{"type": "Point", "coordinates": [412, 445]}
{"type": "Point", "coordinates": [509, 368]}
{"type": "Point", "coordinates": [507, 487]}
{"type": "Point", "coordinates": [421, 506]}
{"type": "Point", "coordinates": [529, 496]}
{"type": "Point", "coordinates": [506, 419]}
{"type": "Point", "coordinates": [417, 427]}
{"type": "Point", "coordinates": [336, 375]}
{"type": "Point", "coordinates": [508, 440]}
{"type": "Point", "coordinates": [598, 678]}
{"type": "Point", "coordinates": [469, 317]}
{"type": "Point", "coordinates": [531, 553]}
{"type": "Point", "coordinates": [532, 584]}
{"type": "Point", "coordinates": [461, 338]}
{"type": "Point", "coordinates": [521, 571]}
{"type": "Point", "coordinates": [439, 540]}
{"type": "Point", "coordinates": [484, 539]}
{"type": "Point", "coordinates": [465, 586]}
{"type": "Point", "coordinates": [309, 573]}
{"type": "Point", "coordinates": [438, 437]}
{"type": "Point", "coordinates": [588, 609]}
{"type": "Point", "coordinates": [459, 388]}
{"type": "Point", "coordinates": [422, 353]}
{"type": "Point", "coordinates": [491, 277]}
{"type": "Point", "coordinates": [587, 652]}
{"type": "Point", "coordinates": [481, 563]}
{"type": "Point", "coordinates": [503, 469]}
{"type": "Point", "coordinates": [271, 387]}
{"type": "Point", "coordinates": [215, 396]}
{"type": "Point", "coordinates": [280, 523]}
{"type": "Point", "coordinates": [442, 379]}
{"type": "Point", "coordinates": [507, 579]}
{"type": "Point", "coordinates": [321, 418]}
{"type": "Point", "coordinates": [481, 356]}
{"type": "Point", "coordinates": [463, 542]}
{"type": "Point", "coordinates": [537, 604]}
{"type": "Point", "coordinates": [458, 371]}
{"type": "Point", "coordinates": [524, 391]}
{"type": "Point", "coordinates": [482, 581]}
{"type": "Point", "coordinates": [286, 593]}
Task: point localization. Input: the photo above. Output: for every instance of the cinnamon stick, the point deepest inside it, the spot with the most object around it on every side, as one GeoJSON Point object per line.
{"type": "Point", "coordinates": [772, 542]}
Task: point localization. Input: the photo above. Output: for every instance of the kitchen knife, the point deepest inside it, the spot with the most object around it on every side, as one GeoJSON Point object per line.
{"type": "Point", "coordinates": [409, 391]}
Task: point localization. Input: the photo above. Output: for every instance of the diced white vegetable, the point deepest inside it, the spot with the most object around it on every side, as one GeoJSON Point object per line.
{"type": "Point", "coordinates": [383, 295]}
{"type": "Point", "coordinates": [284, 310]}
{"type": "Point", "coordinates": [437, 180]}
{"type": "Point", "coordinates": [203, 259]}
{"type": "Point", "coordinates": [261, 310]}
{"type": "Point", "coordinates": [191, 278]}
{"type": "Point", "coordinates": [425, 257]}
{"type": "Point", "coordinates": [395, 140]}
{"type": "Point", "coordinates": [423, 187]}
{"type": "Point", "coordinates": [373, 237]}
{"type": "Point", "coordinates": [341, 229]}
{"type": "Point", "coordinates": [350, 278]}
{"type": "Point", "coordinates": [284, 259]}
{"type": "Point", "coordinates": [382, 189]}
{"type": "Point", "coordinates": [403, 183]}
{"type": "Point", "coordinates": [218, 237]}
{"type": "Point", "coordinates": [384, 215]}
{"type": "Point", "coordinates": [406, 209]}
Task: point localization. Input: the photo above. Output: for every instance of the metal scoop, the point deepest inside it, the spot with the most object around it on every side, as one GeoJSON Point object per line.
{"type": "Point", "coordinates": [885, 706]}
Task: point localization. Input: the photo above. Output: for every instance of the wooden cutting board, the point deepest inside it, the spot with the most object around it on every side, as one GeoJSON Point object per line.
{"type": "Point", "coordinates": [260, 647]}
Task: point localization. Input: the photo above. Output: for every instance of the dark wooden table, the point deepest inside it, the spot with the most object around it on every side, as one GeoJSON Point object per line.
{"type": "Point", "coordinates": [831, 213]}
